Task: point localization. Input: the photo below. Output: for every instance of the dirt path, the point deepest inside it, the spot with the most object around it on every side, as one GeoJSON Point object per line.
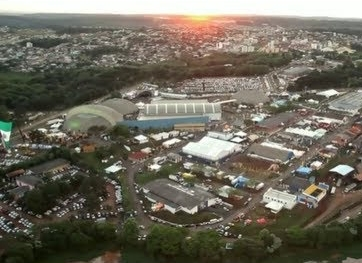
{"type": "Point", "coordinates": [340, 202]}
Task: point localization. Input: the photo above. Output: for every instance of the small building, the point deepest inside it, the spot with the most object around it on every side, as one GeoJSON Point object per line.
{"type": "Point", "coordinates": [226, 191]}
{"type": "Point", "coordinates": [147, 150]}
{"type": "Point", "coordinates": [18, 192]}
{"type": "Point", "coordinates": [141, 139]}
{"type": "Point", "coordinates": [278, 197]}
{"type": "Point", "coordinates": [312, 196]}
{"type": "Point", "coordinates": [15, 174]}
{"type": "Point", "coordinates": [295, 184]}
{"type": "Point", "coordinates": [170, 143]}
{"type": "Point", "coordinates": [342, 169]}
{"type": "Point", "coordinates": [88, 148]}
{"type": "Point", "coordinates": [29, 181]}
{"type": "Point", "coordinates": [50, 166]}
{"type": "Point", "coordinates": [115, 168]}
{"type": "Point", "coordinates": [137, 156]}
{"type": "Point", "coordinates": [174, 158]}
{"type": "Point", "coordinates": [160, 136]}
{"type": "Point", "coordinates": [220, 135]}
{"type": "Point", "coordinates": [154, 168]}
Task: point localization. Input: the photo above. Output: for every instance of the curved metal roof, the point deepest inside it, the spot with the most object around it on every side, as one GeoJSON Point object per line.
{"type": "Point", "coordinates": [122, 106]}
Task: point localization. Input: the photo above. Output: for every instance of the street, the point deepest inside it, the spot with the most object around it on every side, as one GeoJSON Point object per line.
{"type": "Point", "coordinates": [146, 221]}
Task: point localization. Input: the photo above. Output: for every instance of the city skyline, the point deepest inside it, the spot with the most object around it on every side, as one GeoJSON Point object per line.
{"type": "Point", "coordinates": [307, 8]}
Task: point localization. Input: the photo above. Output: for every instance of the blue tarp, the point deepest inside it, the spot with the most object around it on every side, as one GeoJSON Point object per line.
{"type": "Point", "coordinates": [240, 182]}
{"type": "Point", "coordinates": [302, 170]}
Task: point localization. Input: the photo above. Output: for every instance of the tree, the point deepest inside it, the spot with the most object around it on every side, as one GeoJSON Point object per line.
{"type": "Point", "coordinates": [164, 240]}
{"type": "Point", "coordinates": [209, 245]}
{"type": "Point", "coordinates": [79, 240]}
{"type": "Point", "coordinates": [249, 249]}
{"type": "Point", "coordinates": [21, 250]}
{"type": "Point", "coordinates": [265, 236]}
{"type": "Point", "coordinates": [296, 236]}
{"type": "Point", "coordinates": [14, 260]}
{"type": "Point", "coordinates": [129, 232]}
{"type": "Point", "coordinates": [120, 131]}
{"type": "Point", "coordinates": [35, 201]}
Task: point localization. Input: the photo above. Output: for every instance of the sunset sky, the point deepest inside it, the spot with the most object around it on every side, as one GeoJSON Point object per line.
{"type": "Point", "coordinates": [332, 8]}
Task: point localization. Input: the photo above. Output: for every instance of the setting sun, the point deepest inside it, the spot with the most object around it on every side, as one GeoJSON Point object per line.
{"type": "Point", "coordinates": [198, 18]}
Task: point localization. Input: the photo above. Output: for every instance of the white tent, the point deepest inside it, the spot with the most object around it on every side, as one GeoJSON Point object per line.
{"type": "Point", "coordinates": [211, 149]}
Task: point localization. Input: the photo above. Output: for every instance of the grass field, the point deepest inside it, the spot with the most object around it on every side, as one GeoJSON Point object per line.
{"type": "Point", "coordinates": [146, 177]}
{"type": "Point", "coordinates": [299, 216]}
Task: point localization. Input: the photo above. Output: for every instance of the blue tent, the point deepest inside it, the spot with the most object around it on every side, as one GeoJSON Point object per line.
{"type": "Point", "coordinates": [305, 171]}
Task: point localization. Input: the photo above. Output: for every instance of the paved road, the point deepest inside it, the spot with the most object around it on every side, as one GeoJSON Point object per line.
{"type": "Point", "coordinates": [132, 170]}
{"type": "Point", "coordinates": [144, 219]}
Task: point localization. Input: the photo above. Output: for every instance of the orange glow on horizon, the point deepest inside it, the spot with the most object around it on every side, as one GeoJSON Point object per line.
{"type": "Point", "coordinates": [198, 18]}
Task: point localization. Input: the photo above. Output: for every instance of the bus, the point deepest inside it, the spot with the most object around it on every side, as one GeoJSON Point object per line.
{"type": "Point", "coordinates": [350, 187]}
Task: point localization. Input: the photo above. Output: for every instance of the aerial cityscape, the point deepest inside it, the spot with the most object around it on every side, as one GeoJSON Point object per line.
{"type": "Point", "coordinates": [188, 136]}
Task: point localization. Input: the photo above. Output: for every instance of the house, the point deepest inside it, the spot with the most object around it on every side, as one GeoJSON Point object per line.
{"type": "Point", "coordinates": [342, 139]}
{"type": "Point", "coordinates": [50, 166]}
{"type": "Point", "coordinates": [141, 139]}
{"type": "Point", "coordinates": [174, 158]}
{"type": "Point", "coordinates": [154, 167]}
{"type": "Point", "coordinates": [312, 196]}
{"type": "Point", "coordinates": [28, 180]}
{"type": "Point", "coordinates": [88, 148]}
{"type": "Point", "coordinates": [277, 200]}
{"type": "Point", "coordinates": [18, 192]}
{"type": "Point", "coordinates": [15, 174]}
{"type": "Point", "coordinates": [270, 154]}
{"type": "Point", "coordinates": [137, 156]}
{"type": "Point", "coordinates": [170, 143]}
{"type": "Point", "coordinates": [295, 184]}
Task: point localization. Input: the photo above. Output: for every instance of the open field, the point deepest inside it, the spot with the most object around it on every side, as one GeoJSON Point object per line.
{"type": "Point", "coordinates": [299, 216]}
{"type": "Point", "coordinates": [245, 163]}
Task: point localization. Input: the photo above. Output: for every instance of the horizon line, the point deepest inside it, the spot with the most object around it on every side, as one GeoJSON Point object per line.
{"type": "Point", "coordinates": [6, 12]}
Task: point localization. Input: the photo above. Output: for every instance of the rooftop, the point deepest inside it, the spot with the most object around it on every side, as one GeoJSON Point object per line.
{"type": "Point", "coordinates": [177, 108]}
{"type": "Point", "coordinates": [277, 120]}
{"type": "Point", "coordinates": [270, 153]}
{"type": "Point", "coordinates": [48, 166]}
{"type": "Point", "coordinates": [210, 148]}
{"type": "Point", "coordinates": [350, 102]}
{"type": "Point", "coordinates": [280, 195]}
{"type": "Point", "coordinates": [175, 195]}
{"type": "Point", "coordinates": [29, 179]}
{"type": "Point", "coordinates": [342, 169]}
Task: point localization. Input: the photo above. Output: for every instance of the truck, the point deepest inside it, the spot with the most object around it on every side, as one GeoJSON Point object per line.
{"type": "Point", "coordinates": [333, 190]}
{"type": "Point", "coordinates": [350, 187]}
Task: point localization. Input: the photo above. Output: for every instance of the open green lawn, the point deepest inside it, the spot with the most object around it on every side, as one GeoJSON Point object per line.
{"type": "Point", "coordinates": [299, 216]}
{"type": "Point", "coordinates": [146, 176]}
